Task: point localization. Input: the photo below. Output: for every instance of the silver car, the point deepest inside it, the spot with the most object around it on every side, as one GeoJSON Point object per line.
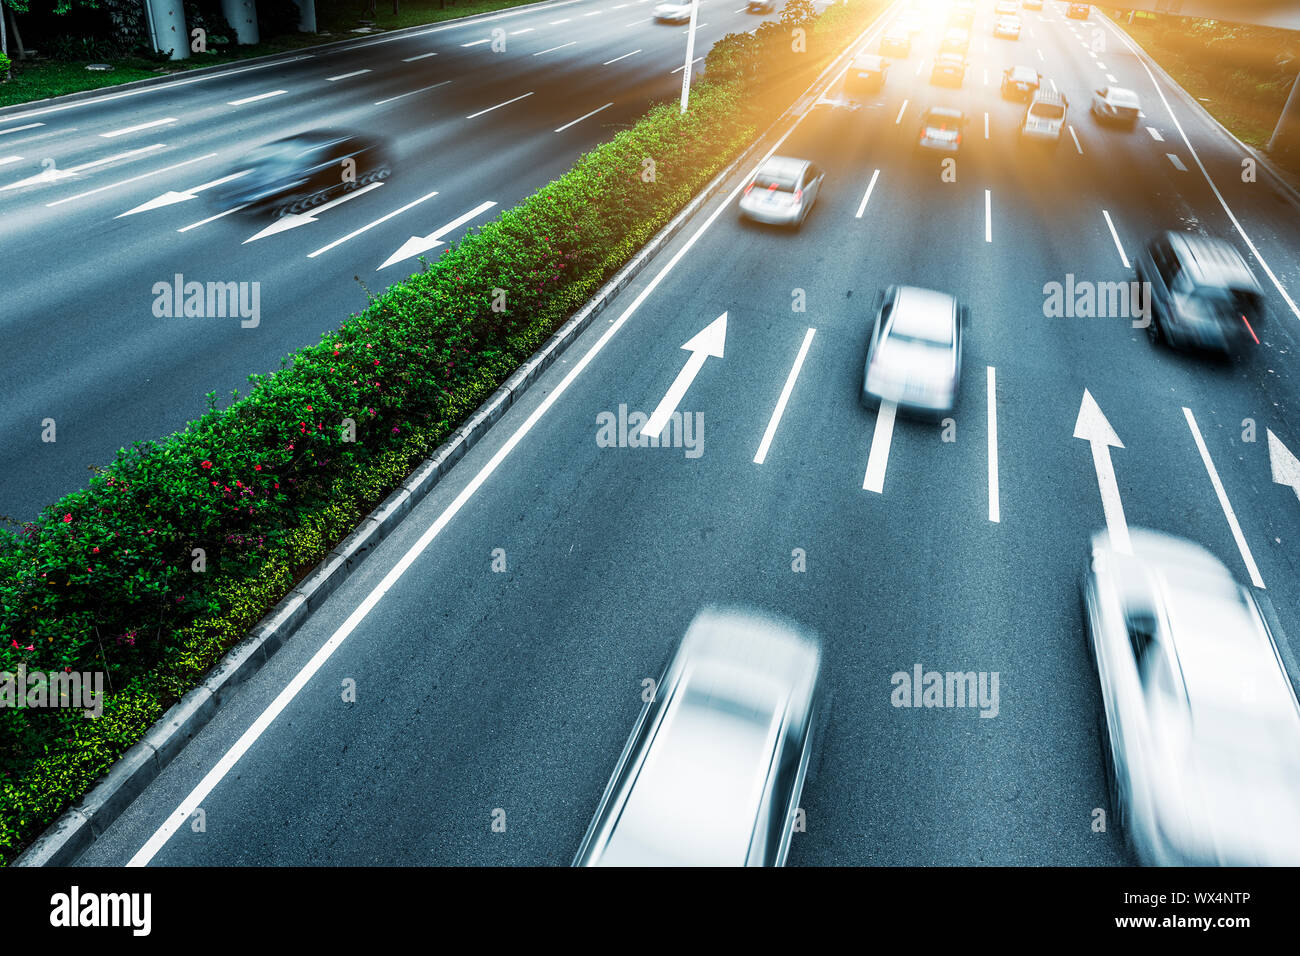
{"type": "Point", "coordinates": [1200, 726]}
{"type": "Point", "coordinates": [914, 352]}
{"type": "Point", "coordinates": [1113, 104]}
{"type": "Point", "coordinates": [673, 12]}
{"type": "Point", "coordinates": [782, 191]}
{"type": "Point", "coordinates": [715, 766]}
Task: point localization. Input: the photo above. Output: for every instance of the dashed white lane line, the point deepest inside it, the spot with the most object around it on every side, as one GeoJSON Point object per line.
{"type": "Point", "coordinates": [586, 116]}
{"type": "Point", "coordinates": [1075, 136]}
{"type": "Point", "coordinates": [1110, 78]}
{"type": "Point", "coordinates": [422, 56]}
{"type": "Point", "coordinates": [698, 26]}
{"type": "Point", "coordinates": [1102, 66]}
{"type": "Point", "coordinates": [988, 215]}
{"type": "Point", "coordinates": [477, 42]}
{"type": "Point", "coordinates": [683, 66]}
{"type": "Point", "coordinates": [995, 501]}
{"type": "Point", "coordinates": [1115, 235]}
{"type": "Point", "coordinates": [515, 33]}
{"type": "Point", "coordinates": [862, 206]}
{"type": "Point", "coordinates": [55, 174]}
{"type": "Point", "coordinates": [1041, 57]}
{"type": "Point", "coordinates": [499, 105]}
{"type": "Point", "coordinates": [132, 179]}
{"type": "Point", "coordinates": [901, 110]}
{"type": "Point", "coordinates": [919, 67]}
{"type": "Point", "coordinates": [220, 215]}
{"type": "Point", "coordinates": [19, 129]}
{"type": "Point", "coordinates": [556, 23]}
{"type": "Point", "coordinates": [623, 57]}
{"type": "Point", "coordinates": [986, 125]}
{"type": "Point", "coordinates": [257, 98]}
{"type": "Point", "coordinates": [152, 124]}
{"type": "Point", "coordinates": [594, 13]}
{"type": "Point", "coordinates": [370, 225]}
{"type": "Point", "coordinates": [1155, 134]}
{"type": "Point", "coordinates": [1053, 82]}
{"type": "Point", "coordinates": [770, 432]}
{"type": "Point", "coordinates": [423, 89]}
{"type": "Point", "coordinates": [1178, 163]}
{"type": "Point", "coordinates": [554, 48]}
{"type": "Point", "coordinates": [1228, 513]}
{"type": "Point", "coordinates": [347, 76]}
{"type": "Point", "coordinates": [881, 438]}
{"type": "Point", "coordinates": [6, 160]}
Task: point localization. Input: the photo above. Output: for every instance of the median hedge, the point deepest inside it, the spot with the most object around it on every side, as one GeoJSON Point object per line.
{"type": "Point", "coordinates": [179, 545]}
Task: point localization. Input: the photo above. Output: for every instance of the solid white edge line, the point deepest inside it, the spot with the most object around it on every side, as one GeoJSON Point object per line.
{"type": "Point", "coordinates": [995, 501]}
{"type": "Point", "coordinates": [862, 207]}
{"type": "Point", "coordinates": [581, 118]}
{"type": "Point", "coordinates": [1115, 235]}
{"type": "Point", "coordinates": [1223, 501]}
{"type": "Point", "coordinates": [770, 432]}
{"type": "Point", "coordinates": [223, 766]}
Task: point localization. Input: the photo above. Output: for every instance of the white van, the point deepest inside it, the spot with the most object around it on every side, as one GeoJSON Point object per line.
{"type": "Point", "coordinates": [1045, 118]}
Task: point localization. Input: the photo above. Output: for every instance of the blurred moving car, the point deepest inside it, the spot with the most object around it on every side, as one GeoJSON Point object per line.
{"type": "Point", "coordinates": [297, 172]}
{"type": "Point", "coordinates": [1199, 724]}
{"type": "Point", "coordinates": [1004, 7]}
{"type": "Point", "coordinates": [782, 192]}
{"type": "Point", "coordinates": [1202, 293]}
{"type": "Point", "coordinates": [866, 74]}
{"type": "Point", "coordinates": [897, 41]}
{"type": "Point", "coordinates": [949, 70]}
{"type": "Point", "coordinates": [962, 16]}
{"type": "Point", "coordinates": [761, 6]}
{"type": "Point", "coordinates": [673, 12]}
{"type": "Point", "coordinates": [1020, 82]}
{"type": "Point", "coordinates": [914, 352]}
{"type": "Point", "coordinates": [941, 129]}
{"type": "Point", "coordinates": [1007, 27]}
{"type": "Point", "coordinates": [911, 21]}
{"type": "Point", "coordinates": [1113, 104]}
{"type": "Point", "coordinates": [1045, 118]}
{"type": "Point", "coordinates": [1079, 11]}
{"type": "Point", "coordinates": [715, 765]}
{"type": "Point", "coordinates": [955, 41]}
{"type": "Point", "coordinates": [1032, 4]}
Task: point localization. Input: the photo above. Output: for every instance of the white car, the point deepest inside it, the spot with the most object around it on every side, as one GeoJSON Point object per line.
{"type": "Point", "coordinates": [673, 12]}
{"type": "Point", "coordinates": [1004, 7]}
{"type": "Point", "coordinates": [1007, 27]}
{"type": "Point", "coordinates": [782, 192]}
{"type": "Point", "coordinates": [1199, 723]}
{"type": "Point", "coordinates": [1113, 104]}
{"type": "Point", "coordinates": [914, 352]}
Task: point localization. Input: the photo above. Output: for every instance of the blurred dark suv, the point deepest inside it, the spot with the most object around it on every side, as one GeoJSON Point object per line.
{"type": "Point", "coordinates": [1203, 295]}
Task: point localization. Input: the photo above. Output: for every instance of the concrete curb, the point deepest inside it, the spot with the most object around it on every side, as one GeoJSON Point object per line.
{"type": "Point", "coordinates": [361, 40]}
{"type": "Point", "coordinates": [90, 816]}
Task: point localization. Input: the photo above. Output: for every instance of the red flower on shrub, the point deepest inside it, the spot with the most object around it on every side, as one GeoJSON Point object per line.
{"type": "Point", "coordinates": [257, 468]}
{"type": "Point", "coordinates": [67, 517]}
{"type": "Point", "coordinates": [95, 550]}
{"type": "Point", "coordinates": [206, 464]}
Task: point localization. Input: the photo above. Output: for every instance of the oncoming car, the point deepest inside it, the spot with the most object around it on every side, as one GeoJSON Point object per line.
{"type": "Point", "coordinates": [297, 172]}
{"type": "Point", "coordinates": [782, 191]}
{"type": "Point", "coordinates": [941, 129]}
{"type": "Point", "coordinates": [1113, 104]}
{"type": "Point", "coordinates": [1020, 82]}
{"type": "Point", "coordinates": [714, 768]}
{"type": "Point", "coordinates": [673, 12]}
{"type": "Point", "coordinates": [914, 351]}
{"type": "Point", "coordinates": [1199, 724]}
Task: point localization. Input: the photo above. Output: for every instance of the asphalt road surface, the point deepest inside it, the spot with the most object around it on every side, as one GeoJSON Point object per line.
{"type": "Point", "coordinates": [507, 695]}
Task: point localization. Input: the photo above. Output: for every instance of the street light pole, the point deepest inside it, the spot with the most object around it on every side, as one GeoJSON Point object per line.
{"type": "Point", "coordinates": [690, 54]}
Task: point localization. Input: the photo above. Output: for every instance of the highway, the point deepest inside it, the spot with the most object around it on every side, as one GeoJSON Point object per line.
{"type": "Point", "coordinates": [487, 695]}
{"type": "Point", "coordinates": [102, 198]}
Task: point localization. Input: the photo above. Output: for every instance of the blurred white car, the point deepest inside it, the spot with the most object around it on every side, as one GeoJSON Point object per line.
{"type": "Point", "coordinates": [1200, 726]}
{"type": "Point", "coordinates": [914, 351]}
{"type": "Point", "coordinates": [782, 192]}
{"type": "Point", "coordinates": [673, 12]}
{"type": "Point", "coordinates": [1007, 27]}
{"type": "Point", "coordinates": [1113, 104]}
{"type": "Point", "coordinates": [715, 766]}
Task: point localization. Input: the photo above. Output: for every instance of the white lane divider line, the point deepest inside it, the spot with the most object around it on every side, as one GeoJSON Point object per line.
{"type": "Point", "coordinates": [581, 118]}
{"type": "Point", "coordinates": [220, 215]}
{"type": "Point", "coordinates": [1178, 163]}
{"type": "Point", "coordinates": [477, 42]}
{"type": "Point", "coordinates": [623, 57]}
{"type": "Point", "coordinates": [986, 125]}
{"type": "Point", "coordinates": [423, 89]}
{"type": "Point", "coordinates": [347, 76]}
{"type": "Point", "coordinates": [19, 129]}
{"type": "Point", "coordinates": [995, 501]}
{"type": "Point", "coordinates": [880, 442]}
{"type": "Point", "coordinates": [54, 175]}
{"type": "Point", "coordinates": [683, 66]}
{"type": "Point", "coordinates": [556, 23]}
{"type": "Point", "coordinates": [988, 215]}
{"type": "Point", "coordinates": [422, 56]}
{"type": "Point", "coordinates": [1075, 136]}
{"type": "Point", "coordinates": [1155, 134]}
{"type": "Point", "coordinates": [368, 226]}
{"type": "Point", "coordinates": [257, 98]}
{"type": "Point", "coordinates": [1115, 235]}
{"type": "Point", "coordinates": [515, 33]}
{"type": "Point", "coordinates": [152, 172]}
{"type": "Point", "coordinates": [554, 48]}
{"type": "Point", "coordinates": [5, 160]}
{"type": "Point", "coordinates": [1228, 513]}
{"type": "Point", "coordinates": [901, 110]}
{"type": "Point", "coordinates": [862, 206]}
{"type": "Point", "coordinates": [152, 124]}
{"type": "Point", "coordinates": [1040, 56]}
{"type": "Point", "coordinates": [499, 105]}
{"type": "Point", "coordinates": [777, 412]}
{"type": "Point", "coordinates": [1053, 83]}
{"type": "Point", "coordinates": [1110, 78]}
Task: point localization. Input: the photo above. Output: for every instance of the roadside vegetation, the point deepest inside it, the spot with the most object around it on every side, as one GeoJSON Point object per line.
{"type": "Point", "coordinates": [162, 563]}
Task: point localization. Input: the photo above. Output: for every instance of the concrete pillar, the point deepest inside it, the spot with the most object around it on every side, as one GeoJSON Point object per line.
{"type": "Point", "coordinates": [1285, 142]}
{"type": "Point", "coordinates": [306, 16]}
{"type": "Point", "coordinates": [242, 15]}
{"type": "Point", "coordinates": [167, 27]}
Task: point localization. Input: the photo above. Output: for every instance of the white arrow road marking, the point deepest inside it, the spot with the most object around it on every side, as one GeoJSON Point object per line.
{"type": "Point", "coordinates": [770, 433]}
{"type": "Point", "coordinates": [170, 198]}
{"type": "Point", "coordinates": [293, 220]}
{"type": "Point", "coordinates": [1286, 469]}
{"type": "Point", "coordinates": [1223, 501]}
{"type": "Point", "coordinates": [418, 244]}
{"type": "Point", "coordinates": [709, 341]}
{"type": "Point", "coordinates": [995, 502]}
{"type": "Point", "coordinates": [880, 442]}
{"type": "Point", "coordinates": [132, 179]}
{"type": "Point", "coordinates": [1092, 427]}
{"type": "Point", "coordinates": [370, 225]}
{"type": "Point", "coordinates": [54, 175]}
